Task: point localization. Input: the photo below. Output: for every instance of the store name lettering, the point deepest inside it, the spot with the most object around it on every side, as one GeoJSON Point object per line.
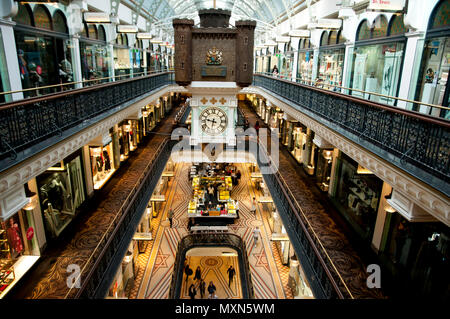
{"type": "Point", "coordinates": [192, 309]}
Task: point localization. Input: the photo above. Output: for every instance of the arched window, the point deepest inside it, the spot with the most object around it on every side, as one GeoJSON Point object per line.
{"type": "Point", "coordinates": [396, 25]}
{"type": "Point", "coordinates": [42, 18]}
{"type": "Point", "coordinates": [59, 22]}
{"type": "Point", "coordinates": [363, 31]}
{"type": "Point", "coordinates": [332, 38]}
{"type": "Point", "coordinates": [324, 38]}
{"type": "Point", "coordinates": [307, 44]}
{"type": "Point", "coordinates": [24, 15]}
{"type": "Point", "coordinates": [92, 32]}
{"type": "Point", "coordinates": [101, 33]}
{"type": "Point", "coordinates": [380, 27]}
{"type": "Point", "coordinates": [340, 38]}
{"type": "Point", "coordinates": [441, 15]}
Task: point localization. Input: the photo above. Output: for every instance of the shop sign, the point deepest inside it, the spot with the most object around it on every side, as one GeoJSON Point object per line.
{"type": "Point", "coordinates": [30, 233]}
{"type": "Point", "coordinates": [391, 5]}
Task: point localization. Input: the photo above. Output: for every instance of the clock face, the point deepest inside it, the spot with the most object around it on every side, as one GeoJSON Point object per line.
{"type": "Point", "coordinates": [213, 120]}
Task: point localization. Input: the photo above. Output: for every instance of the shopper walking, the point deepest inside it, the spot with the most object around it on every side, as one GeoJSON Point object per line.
{"type": "Point", "coordinates": [231, 272]}
{"type": "Point", "coordinates": [253, 207]}
{"type": "Point", "coordinates": [192, 291]}
{"type": "Point", "coordinates": [202, 288]}
{"type": "Point", "coordinates": [188, 271]}
{"type": "Point", "coordinates": [211, 290]}
{"type": "Point", "coordinates": [198, 273]}
{"type": "Point", "coordinates": [170, 216]}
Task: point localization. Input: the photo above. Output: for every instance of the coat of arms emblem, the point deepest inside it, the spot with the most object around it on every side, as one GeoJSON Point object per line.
{"type": "Point", "coordinates": [214, 57]}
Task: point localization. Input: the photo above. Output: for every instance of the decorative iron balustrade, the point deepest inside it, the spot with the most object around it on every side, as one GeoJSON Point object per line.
{"type": "Point", "coordinates": [414, 142]}
{"type": "Point", "coordinates": [99, 272]}
{"type": "Point", "coordinates": [212, 240]}
{"type": "Point", "coordinates": [323, 277]}
{"type": "Point", "coordinates": [25, 123]}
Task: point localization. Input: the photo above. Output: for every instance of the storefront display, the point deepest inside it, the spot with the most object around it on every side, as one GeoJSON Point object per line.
{"type": "Point", "coordinates": [323, 171]}
{"type": "Point", "coordinates": [331, 60]}
{"type": "Point", "coordinates": [18, 248]}
{"type": "Point", "coordinates": [377, 59]}
{"type": "Point", "coordinates": [61, 192]}
{"type": "Point", "coordinates": [43, 55]}
{"type": "Point", "coordinates": [357, 195]}
{"type": "Point", "coordinates": [122, 55]}
{"type": "Point", "coordinates": [95, 57]}
{"type": "Point", "coordinates": [305, 62]}
{"type": "Point", "coordinates": [299, 142]}
{"type": "Point", "coordinates": [102, 163]}
{"type": "Point", "coordinates": [433, 86]}
{"type": "Point", "coordinates": [127, 138]}
{"type": "Point", "coordinates": [420, 251]}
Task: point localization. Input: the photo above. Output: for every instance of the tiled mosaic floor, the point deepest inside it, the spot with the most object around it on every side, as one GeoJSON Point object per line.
{"type": "Point", "coordinates": [269, 276]}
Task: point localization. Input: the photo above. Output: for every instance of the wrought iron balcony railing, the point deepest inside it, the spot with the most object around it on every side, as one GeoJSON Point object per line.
{"type": "Point", "coordinates": [414, 142]}
{"type": "Point", "coordinates": [30, 125]}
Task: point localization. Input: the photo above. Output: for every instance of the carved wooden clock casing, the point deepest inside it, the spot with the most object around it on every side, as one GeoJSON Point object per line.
{"type": "Point", "coordinates": [213, 121]}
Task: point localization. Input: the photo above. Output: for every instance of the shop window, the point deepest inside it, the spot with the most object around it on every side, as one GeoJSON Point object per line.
{"type": "Point", "coordinates": [61, 192]}
{"type": "Point", "coordinates": [42, 18]}
{"type": "Point", "coordinates": [442, 15]}
{"type": "Point", "coordinates": [92, 32]}
{"type": "Point", "coordinates": [101, 33]}
{"type": "Point", "coordinates": [330, 67]}
{"type": "Point", "coordinates": [396, 26]}
{"type": "Point", "coordinates": [380, 27]}
{"type": "Point", "coordinates": [324, 38]}
{"type": "Point", "coordinates": [363, 31]}
{"type": "Point", "coordinates": [24, 15]}
{"type": "Point", "coordinates": [18, 245]}
{"type": "Point", "coordinates": [376, 68]}
{"type": "Point", "coordinates": [59, 22]}
{"type": "Point", "coordinates": [357, 196]}
{"type": "Point", "coordinates": [102, 163]}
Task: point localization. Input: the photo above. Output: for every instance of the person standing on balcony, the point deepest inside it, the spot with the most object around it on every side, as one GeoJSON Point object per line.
{"type": "Point", "coordinates": [275, 71]}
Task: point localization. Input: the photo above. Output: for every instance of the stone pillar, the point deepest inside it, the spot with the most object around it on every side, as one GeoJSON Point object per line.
{"type": "Point", "coordinates": [333, 176]}
{"type": "Point", "coordinates": [10, 71]}
{"type": "Point", "coordinates": [315, 65]}
{"type": "Point", "coordinates": [76, 60]}
{"type": "Point", "coordinates": [381, 217]}
{"type": "Point", "coordinates": [348, 61]}
{"type": "Point", "coordinates": [306, 154]}
{"type": "Point", "coordinates": [410, 69]}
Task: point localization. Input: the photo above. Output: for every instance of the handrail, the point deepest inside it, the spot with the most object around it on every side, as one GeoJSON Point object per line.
{"type": "Point", "coordinates": [285, 188]}
{"type": "Point", "coordinates": [315, 84]}
{"type": "Point", "coordinates": [54, 95]}
{"type": "Point", "coordinates": [421, 116]}
{"type": "Point", "coordinates": [120, 215]}
{"type": "Point", "coordinates": [131, 76]}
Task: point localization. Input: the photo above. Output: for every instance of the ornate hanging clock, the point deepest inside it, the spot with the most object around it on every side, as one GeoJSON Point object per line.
{"type": "Point", "coordinates": [213, 120]}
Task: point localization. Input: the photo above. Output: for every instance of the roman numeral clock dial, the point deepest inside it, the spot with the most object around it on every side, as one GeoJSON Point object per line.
{"type": "Point", "coordinates": [213, 120]}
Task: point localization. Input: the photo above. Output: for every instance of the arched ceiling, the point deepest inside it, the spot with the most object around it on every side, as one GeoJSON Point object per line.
{"type": "Point", "coordinates": [265, 12]}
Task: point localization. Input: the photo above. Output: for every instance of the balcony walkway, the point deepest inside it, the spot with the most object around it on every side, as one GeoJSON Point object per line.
{"type": "Point", "coordinates": [75, 245]}
{"type": "Point", "coordinates": [338, 247]}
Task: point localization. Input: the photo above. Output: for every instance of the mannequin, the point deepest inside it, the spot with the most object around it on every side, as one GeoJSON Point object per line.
{"type": "Point", "coordinates": [106, 160]}
{"type": "Point", "coordinates": [15, 241]}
